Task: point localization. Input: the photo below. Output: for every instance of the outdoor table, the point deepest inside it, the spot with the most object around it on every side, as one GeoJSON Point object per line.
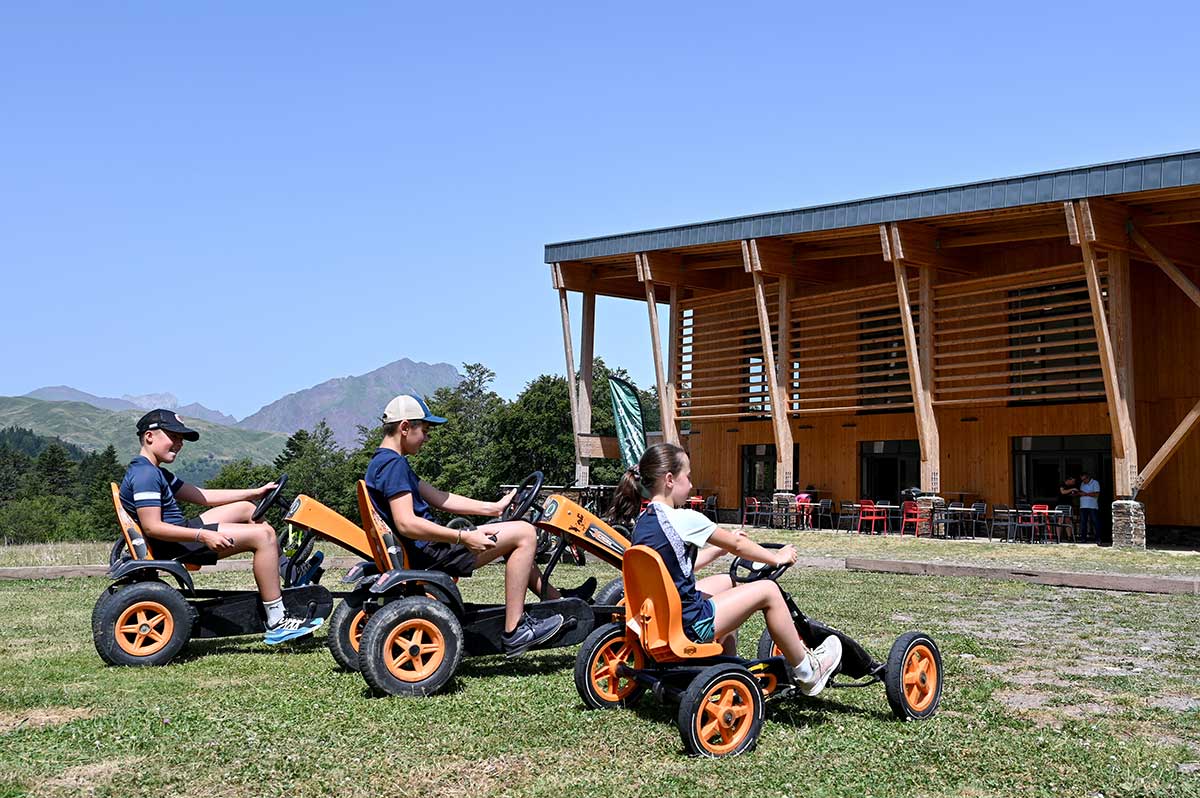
{"type": "Point", "coordinates": [890, 510]}
{"type": "Point", "coordinates": [855, 509]}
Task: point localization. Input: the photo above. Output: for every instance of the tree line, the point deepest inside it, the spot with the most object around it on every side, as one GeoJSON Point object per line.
{"type": "Point", "coordinates": [51, 491]}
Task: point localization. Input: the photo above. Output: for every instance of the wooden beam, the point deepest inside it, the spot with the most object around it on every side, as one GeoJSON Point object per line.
{"type": "Point", "coordinates": [1169, 447]}
{"type": "Point", "coordinates": [595, 447]}
{"type": "Point", "coordinates": [917, 245]}
{"type": "Point", "coordinates": [769, 256]}
{"type": "Point", "coordinates": [666, 410]}
{"type": "Point", "coordinates": [1120, 317]}
{"type": "Point", "coordinates": [1170, 269]}
{"type": "Point", "coordinates": [569, 351]}
{"type": "Point", "coordinates": [587, 341]}
{"type": "Point", "coordinates": [1117, 410]}
{"type": "Point", "coordinates": [754, 257]}
{"type": "Point", "coordinates": [673, 364]}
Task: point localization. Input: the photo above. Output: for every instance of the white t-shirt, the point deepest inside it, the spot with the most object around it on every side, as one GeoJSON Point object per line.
{"type": "Point", "coordinates": [694, 527]}
{"type": "Point", "coordinates": [1090, 502]}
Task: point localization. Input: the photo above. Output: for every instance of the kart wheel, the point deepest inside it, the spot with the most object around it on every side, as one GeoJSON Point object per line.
{"type": "Point", "coordinates": [612, 594]}
{"type": "Point", "coordinates": [143, 623]}
{"type": "Point", "coordinates": [767, 647]}
{"type": "Point", "coordinates": [345, 632]}
{"type": "Point", "coordinates": [596, 664]}
{"type": "Point", "coordinates": [721, 713]}
{"type": "Point", "coordinates": [914, 676]}
{"type": "Point", "coordinates": [410, 647]}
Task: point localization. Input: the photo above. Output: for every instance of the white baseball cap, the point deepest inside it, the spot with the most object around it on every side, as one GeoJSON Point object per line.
{"type": "Point", "coordinates": [407, 407]}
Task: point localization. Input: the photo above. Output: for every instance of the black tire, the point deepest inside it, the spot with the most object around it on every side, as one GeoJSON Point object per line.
{"type": "Point", "coordinates": [119, 551]}
{"type": "Point", "coordinates": [612, 594]}
{"type": "Point", "coordinates": [914, 658]}
{"type": "Point", "coordinates": [766, 646]}
{"type": "Point", "coordinates": [383, 661]}
{"type": "Point", "coordinates": [458, 522]}
{"type": "Point", "coordinates": [346, 626]}
{"type": "Point", "coordinates": [606, 690]}
{"type": "Point", "coordinates": [156, 622]}
{"type": "Point", "coordinates": [731, 732]}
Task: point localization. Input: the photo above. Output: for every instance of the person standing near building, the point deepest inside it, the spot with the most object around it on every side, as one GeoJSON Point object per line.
{"type": "Point", "coordinates": [1089, 508]}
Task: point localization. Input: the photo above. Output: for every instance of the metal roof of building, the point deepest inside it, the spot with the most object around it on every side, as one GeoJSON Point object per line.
{"type": "Point", "coordinates": [1118, 177]}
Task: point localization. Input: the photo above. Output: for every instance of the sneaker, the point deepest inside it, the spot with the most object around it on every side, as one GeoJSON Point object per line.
{"type": "Point", "coordinates": [584, 591]}
{"type": "Point", "coordinates": [529, 633]}
{"type": "Point", "coordinates": [291, 628]}
{"type": "Point", "coordinates": [823, 660]}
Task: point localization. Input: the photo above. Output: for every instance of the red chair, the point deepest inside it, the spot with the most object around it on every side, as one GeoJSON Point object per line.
{"type": "Point", "coordinates": [1041, 522]}
{"type": "Point", "coordinates": [804, 512]}
{"type": "Point", "coordinates": [751, 511]}
{"type": "Point", "coordinates": [911, 514]}
{"type": "Point", "coordinates": [867, 511]}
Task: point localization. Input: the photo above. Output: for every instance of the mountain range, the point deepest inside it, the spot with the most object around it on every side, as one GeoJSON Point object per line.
{"type": "Point", "coordinates": [343, 402]}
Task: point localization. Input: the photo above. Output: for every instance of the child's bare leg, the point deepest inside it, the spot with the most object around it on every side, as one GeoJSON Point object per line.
{"type": "Point", "coordinates": [712, 585]}
{"type": "Point", "coordinates": [260, 539]}
{"type": "Point", "coordinates": [232, 513]}
{"type": "Point", "coordinates": [516, 541]}
{"type": "Point", "coordinates": [735, 605]}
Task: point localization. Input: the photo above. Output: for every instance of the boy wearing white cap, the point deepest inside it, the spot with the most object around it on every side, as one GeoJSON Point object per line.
{"type": "Point", "coordinates": [403, 500]}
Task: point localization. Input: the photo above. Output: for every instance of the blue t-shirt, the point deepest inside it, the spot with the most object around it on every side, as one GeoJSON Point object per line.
{"type": "Point", "coordinates": [389, 475]}
{"type": "Point", "coordinates": [147, 485]}
{"type": "Point", "coordinates": [693, 531]}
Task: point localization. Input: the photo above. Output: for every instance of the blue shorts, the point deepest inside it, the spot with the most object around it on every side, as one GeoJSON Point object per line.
{"type": "Point", "coordinates": [702, 631]}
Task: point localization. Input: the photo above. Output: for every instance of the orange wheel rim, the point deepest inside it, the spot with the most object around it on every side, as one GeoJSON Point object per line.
{"type": "Point", "coordinates": [725, 718]}
{"type": "Point", "coordinates": [414, 650]}
{"type": "Point", "coordinates": [608, 684]}
{"type": "Point", "coordinates": [767, 682]}
{"type": "Point", "coordinates": [920, 675]}
{"type": "Point", "coordinates": [356, 629]}
{"type": "Point", "coordinates": [144, 628]}
{"type": "Point", "coordinates": [776, 651]}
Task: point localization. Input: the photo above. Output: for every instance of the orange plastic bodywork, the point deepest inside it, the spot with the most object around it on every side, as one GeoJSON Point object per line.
{"type": "Point", "coordinates": [388, 551]}
{"type": "Point", "coordinates": [330, 525]}
{"type": "Point", "coordinates": [655, 611]}
{"type": "Point", "coordinates": [584, 528]}
{"type": "Point", "coordinates": [129, 528]}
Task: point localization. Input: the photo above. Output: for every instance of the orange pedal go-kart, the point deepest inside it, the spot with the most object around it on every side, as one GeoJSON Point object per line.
{"type": "Point", "coordinates": [406, 630]}
{"type": "Point", "coordinates": [722, 698]}
{"type": "Point", "coordinates": [140, 619]}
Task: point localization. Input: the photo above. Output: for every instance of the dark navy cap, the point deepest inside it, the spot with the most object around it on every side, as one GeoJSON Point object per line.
{"type": "Point", "coordinates": [166, 420]}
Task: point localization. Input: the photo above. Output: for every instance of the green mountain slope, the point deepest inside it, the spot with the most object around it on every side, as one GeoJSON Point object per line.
{"type": "Point", "coordinates": [93, 428]}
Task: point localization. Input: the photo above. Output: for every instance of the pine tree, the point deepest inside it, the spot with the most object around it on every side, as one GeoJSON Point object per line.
{"type": "Point", "coordinates": [53, 473]}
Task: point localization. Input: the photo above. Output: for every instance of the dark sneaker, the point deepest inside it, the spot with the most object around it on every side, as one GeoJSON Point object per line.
{"type": "Point", "coordinates": [584, 591]}
{"type": "Point", "coordinates": [529, 633]}
{"type": "Point", "coordinates": [291, 628]}
{"type": "Point", "coordinates": [823, 660]}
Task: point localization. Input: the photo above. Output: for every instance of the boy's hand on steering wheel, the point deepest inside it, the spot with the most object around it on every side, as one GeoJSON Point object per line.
{"type": "Point", "coordinates": [500, 504]}
{"type": "Point", "coordinates": [259, 492]}
{"type": "Point", "coordinates": [477, 541]}
{"type": "Point", "coordinates": [215, 540]}
{"type": "Point", "coordinates": [786, 556]}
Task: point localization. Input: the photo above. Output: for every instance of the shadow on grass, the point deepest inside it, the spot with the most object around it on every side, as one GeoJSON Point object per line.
{"type": "Point", "coordinates": [497, 665]}
{"type": "Point", "coordinates": [245, 644]}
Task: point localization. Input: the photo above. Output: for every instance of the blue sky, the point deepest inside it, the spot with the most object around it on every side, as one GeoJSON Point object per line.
{"type": "Point", "coordinates": [233, 201]}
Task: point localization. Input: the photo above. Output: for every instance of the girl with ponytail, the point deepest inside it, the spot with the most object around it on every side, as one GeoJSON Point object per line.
{"type": "Point", "coordinates": [713, 608]}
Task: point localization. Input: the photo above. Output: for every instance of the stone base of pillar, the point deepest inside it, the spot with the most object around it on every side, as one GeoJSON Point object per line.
{"type": "Point", "coordinates": [925, 506]}
{"type": "Point", "coordinates": [1128, 524]}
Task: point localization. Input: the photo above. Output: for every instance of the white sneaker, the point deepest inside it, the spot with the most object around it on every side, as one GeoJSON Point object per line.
{"type": "Point", "coordinates": [822, 660]}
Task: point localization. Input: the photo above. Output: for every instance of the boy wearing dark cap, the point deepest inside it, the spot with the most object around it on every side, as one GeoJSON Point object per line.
{"type": "Point", "coordinates": [149, 493]}
{"type": "Point", "coordinates": [403, 500]}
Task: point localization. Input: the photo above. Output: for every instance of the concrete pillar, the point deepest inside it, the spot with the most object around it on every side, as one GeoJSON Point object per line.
{"type": "Point", "coordinates": [1128, 524]}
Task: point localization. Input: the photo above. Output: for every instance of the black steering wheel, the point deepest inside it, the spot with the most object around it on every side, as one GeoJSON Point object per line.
{"type": "Point", "coordinates": [742, 570]}
{"type": "Point", "coordinates": [265, 502]}
{"type": "Point", "coordinates": [526, 495]}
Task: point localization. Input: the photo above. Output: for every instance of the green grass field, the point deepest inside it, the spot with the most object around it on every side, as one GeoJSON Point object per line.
{"type": "Point", "coordinates": [1048, 691]}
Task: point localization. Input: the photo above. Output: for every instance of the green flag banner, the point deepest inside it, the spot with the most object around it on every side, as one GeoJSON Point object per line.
{"type": "Point", "coordinates": [627, 415]}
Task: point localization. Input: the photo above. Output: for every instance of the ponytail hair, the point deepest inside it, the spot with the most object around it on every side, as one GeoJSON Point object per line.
{"type": "Point", "coordinates": [639, 481]}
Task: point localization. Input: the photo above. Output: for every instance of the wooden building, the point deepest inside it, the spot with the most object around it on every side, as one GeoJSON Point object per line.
{"type": "Point", "coordinates": [983, 339]}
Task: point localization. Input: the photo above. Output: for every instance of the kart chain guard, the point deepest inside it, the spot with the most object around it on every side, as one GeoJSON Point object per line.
{"type": "Point", "coordinates": [240, 612]}
{"type": "Point", "coordinates": [484, 623]}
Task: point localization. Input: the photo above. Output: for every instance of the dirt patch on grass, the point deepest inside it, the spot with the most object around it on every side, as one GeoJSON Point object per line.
{"type": "Point", "coordinates": [1176, 703]}
{"type": "Point", "coordinates": [83, 779]}
{"type": "Point", "coordinates": [42, 717]}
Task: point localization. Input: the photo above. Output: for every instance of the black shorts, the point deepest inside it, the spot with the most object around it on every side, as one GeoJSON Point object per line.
{"type": "Point", "coordinates": [449, 558]}
{"type": "Point", "coordinates": [173, 549]}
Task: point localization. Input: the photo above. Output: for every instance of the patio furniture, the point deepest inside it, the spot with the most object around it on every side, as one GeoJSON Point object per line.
{"type": "Point", "coordinates": [1065, 521]}
{"type": "Point", "coordinates": [910, 514]}
{"type": "Point", "coordinates": [976, 518]}
{"type": "Point", "coordinates": [752, 512]}
{"type": "Point", "coordinates": [825, 510]}
{"type": "Point", "coordinates": [848, 515]}
{"type": "Point", "coordinates": [868, 511]}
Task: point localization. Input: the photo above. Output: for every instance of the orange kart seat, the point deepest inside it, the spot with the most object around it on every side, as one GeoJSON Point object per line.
{"type": "Point", "coordinates": [386, 548]}
{"type": "Point", "coordinates": [657, 612]}
{"type": "Point", "coordinates": [137, 543]}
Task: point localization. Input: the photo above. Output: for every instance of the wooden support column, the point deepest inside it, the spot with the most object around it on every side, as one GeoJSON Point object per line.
{"type": "Point", "coordinates": [645, 269]}
{"type": "Point", "coordinates": [1120, 318]}
{"type": "Point", "coordinates": [587, 349]}
{"type": "Point", "coordinates": [673, 356]}
{"type": "Point", "coordinates": [568, 350]}
{"type": "Point", "coordinates": [1082, 230]}
{"type": "Point", "coordinates": [754, 255]}
{"type": "Point", "coordinates": [905, 245]}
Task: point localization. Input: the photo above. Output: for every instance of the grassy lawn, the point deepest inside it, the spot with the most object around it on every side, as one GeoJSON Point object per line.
{"type": "Point", "coordinates": [1049, 691]}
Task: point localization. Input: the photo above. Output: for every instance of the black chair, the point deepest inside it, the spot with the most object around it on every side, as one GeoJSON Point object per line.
{"type": "Point", "coordinates": [977, 517]}
{"type": "Point", "coordinates": [1002, 517]}
{"type": "Point", "coordinates": [710, 506]}
{"type": "Point", "coordinates": [1065, 521]}
{"type": "Point", "coordinates": [849, 516]}
{"type": "Point", "coordinates": [950, 518]}
{"type": "Point", "coordinates": [1025, 520]}
{"type": "Point", "coordinates": [824, 509]}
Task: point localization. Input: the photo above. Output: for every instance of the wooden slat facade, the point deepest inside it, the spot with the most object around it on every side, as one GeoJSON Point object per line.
{"type": "Point", "coordinates": [1010, 350]}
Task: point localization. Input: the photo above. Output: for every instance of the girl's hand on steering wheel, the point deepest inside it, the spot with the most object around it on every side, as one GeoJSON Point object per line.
{"type": "Point", "coordinates": [786, 556]}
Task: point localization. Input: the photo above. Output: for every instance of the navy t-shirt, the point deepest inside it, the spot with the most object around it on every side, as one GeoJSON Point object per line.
{"type": "Point", "coordinates": [389, 475]}
{"type": "Point", "coordinates": [147, 485]}
{"type": "Point", "coordinates": [694, 530]}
